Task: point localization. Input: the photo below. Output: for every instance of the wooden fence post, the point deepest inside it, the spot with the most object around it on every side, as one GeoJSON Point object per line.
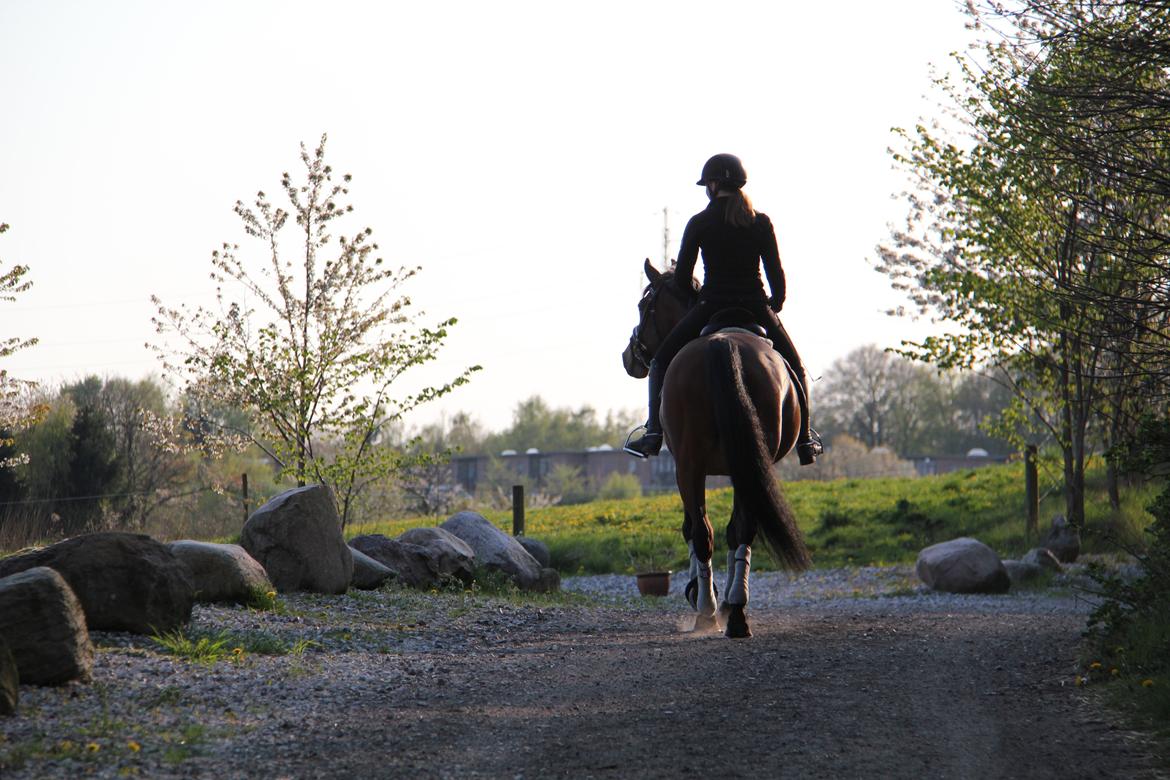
{"type": "Point", "coordinates": [517, 510]}
{"type": "Point", "coordinates": [1032, 492]}
{"type": "Point", "coordinates": [244, 483]}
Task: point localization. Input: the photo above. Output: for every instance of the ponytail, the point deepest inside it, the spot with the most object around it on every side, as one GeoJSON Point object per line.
{"type": "Point", "coordinates": [739, 211]}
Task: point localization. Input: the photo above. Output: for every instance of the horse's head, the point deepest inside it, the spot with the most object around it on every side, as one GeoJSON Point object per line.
{"type": "Point", "coordinates": [658, 313]}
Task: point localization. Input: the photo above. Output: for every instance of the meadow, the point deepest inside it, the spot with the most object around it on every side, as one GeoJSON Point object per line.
{"type": "Point", "coordinates": [847, 522]}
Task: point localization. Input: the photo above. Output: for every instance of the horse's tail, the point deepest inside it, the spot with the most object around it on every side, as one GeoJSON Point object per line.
{"type": "Point", "coordinates": [750, 464]}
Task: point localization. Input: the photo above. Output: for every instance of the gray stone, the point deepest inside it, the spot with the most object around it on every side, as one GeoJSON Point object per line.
{"type": "Point", "coordinates": [1023, 572]}
{"type": "Point", "coordinates": [125, 582]}
{"type": "Point", "coordinates": [368, 574]}
{"type": "Point", "coordinates": [43, 624]}
{"type": "Point", "coordinates": [495, 550]}
{"type": "Point", "coordinates": [537, 549]}
{"type": "Point", "coordinates": [9, 681]}
{"type": "Point", "coordinates": [1043, 557]}
{"type": "Point", "coordinates": [962, 565]}
{"type": "Point", "coordinates": [447, 554]}
{"type": "Point", "coordinates": [549, 582]}
{"type": "Point", "coordinates": [297, 538]}
{"type": "Point", "coordinates": [223, 573]}
{"type": "Point", "coordinates": [409, 560]}
{"type": "Point", "coordinates": [1063, 540]}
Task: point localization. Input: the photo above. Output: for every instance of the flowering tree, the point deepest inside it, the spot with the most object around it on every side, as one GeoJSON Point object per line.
{"type": "Point", "coordinates": [13, 413]}
{"type": "Point", "coordinates": [310, 349]}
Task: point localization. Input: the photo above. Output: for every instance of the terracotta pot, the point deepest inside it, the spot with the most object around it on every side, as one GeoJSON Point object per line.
{"type": "Point", "coordinates": [655, 583]}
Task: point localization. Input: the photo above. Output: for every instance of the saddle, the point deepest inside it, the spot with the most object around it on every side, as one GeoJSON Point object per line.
{"type": "Point", "coordinates": [734, 319]}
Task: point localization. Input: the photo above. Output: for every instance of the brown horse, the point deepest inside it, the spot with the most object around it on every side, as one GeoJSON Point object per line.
{"type": "Point", "coordinates": [730, 407]}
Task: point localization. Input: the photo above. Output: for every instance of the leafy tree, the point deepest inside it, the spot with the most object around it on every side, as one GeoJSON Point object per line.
{"type": "Point", "coordinates": [14, 413]}
{"type": "Point", "coordinates": [310, 349]}
{"type": "Point", "coordinates": [537, 425]}
{"type": "Point", "coordinates": [1012, 239]}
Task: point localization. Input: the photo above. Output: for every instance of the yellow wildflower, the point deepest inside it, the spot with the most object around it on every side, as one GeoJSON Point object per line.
{"type": "Point", "coordinates": [1115, 671]}
{"type": "Point", "coordinates": [1079, 681]}
{"type": "Point", "coordinates": [1095, 665]}
{"type": "Point", "coordinates": [93, 747]}
{"type": "Point", "coordinates": [134, 746]}
{"type": "Point", "coordinates": [271, 594]}
{"type": "Point", "coordinates": [1147, 683]}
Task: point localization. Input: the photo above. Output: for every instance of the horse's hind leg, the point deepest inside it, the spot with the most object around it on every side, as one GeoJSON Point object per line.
{"type": "Point", "coordinates": [732, 543]}
{"type": "Point", "coordinates": [740, 534]}
{"type": "Point", "coordinates": [691, 488]}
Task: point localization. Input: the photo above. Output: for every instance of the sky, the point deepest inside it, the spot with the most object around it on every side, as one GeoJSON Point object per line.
{"type": "Point", "coordinates": [521, 152]}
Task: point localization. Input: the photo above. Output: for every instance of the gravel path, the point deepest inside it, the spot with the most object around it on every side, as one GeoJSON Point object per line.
{"type": "Point", "coordinates": [852, 673]}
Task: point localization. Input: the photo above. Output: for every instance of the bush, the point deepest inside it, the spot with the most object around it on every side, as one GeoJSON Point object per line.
{"type": "Point", "coordinates": [620, 486]}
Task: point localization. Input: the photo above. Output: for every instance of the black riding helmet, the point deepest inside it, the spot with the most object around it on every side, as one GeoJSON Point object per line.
{"type": "Point", "coordinates": [725, 169]}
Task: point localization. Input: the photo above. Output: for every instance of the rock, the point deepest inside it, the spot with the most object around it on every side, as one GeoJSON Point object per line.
{"type": "Point", "coordinates": [125, 582]}
{"type": "Point", "coordinates": [549, 582]}
{"type": "Point", "coordinates": [297, 538]}
{"type": "Point", "coordinates": [447, 554]}
{"type": "Point", "coordinates": [1042, 557]}
{"type": "Point", "coordinates": [222, 572]}
{"type": "Point", "coordinates": [537, 549]}
{"type": "Point", "coordinates": [409, 560]}
{"type": "Point", "coordinates": [1063, 540]}
{"type": "Point", "coordinates": [368, 574]}
{"type": "Point", "coordinates": [494, 549]}
{"type": "Point", "coordinates": [962, 565]}
{"type": "Point", "coordinates": [43, 624]}
{"type": "Point", "coordinates": [1023, 572]}
{"type": "Point", "coordinates": [9, 681]}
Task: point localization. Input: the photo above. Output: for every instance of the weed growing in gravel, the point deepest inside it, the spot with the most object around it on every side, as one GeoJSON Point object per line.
{"type": "Point", "coordinates": [203, 649]}
{"type": "Point", "coordinates": [233, 646]}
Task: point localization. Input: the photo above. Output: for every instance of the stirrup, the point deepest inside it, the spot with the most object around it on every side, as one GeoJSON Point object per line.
{"type": "Point", "coordinates": [644, 446]}
{"type": "Point", "coordinates": [808, 451]}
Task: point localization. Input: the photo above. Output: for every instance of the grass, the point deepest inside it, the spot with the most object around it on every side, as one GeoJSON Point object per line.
{"type": "Point", "coordinates": [846, 522]}
{"type": "Point", "coordinates": [209, 649]}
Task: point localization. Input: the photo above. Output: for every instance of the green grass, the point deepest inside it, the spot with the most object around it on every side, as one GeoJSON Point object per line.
{"type": "Point", "coordinates": [846, 522]}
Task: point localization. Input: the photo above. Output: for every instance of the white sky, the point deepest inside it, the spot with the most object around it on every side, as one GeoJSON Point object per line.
{"type": "Point", "coordinates": [520, 152]}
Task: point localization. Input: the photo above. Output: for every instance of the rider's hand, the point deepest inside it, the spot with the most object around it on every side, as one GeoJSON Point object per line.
{"type": "Point", "coordinates": [775, 303]}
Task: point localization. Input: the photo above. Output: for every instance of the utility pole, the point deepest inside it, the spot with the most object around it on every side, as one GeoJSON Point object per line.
{"type": "Point", "coordinates": [665, 238]}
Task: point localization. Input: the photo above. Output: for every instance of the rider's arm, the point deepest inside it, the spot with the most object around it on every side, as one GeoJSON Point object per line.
{"type": "Point", "coordinates": [688, 255]}
{"type": "Point", "coordinates": [771, 256]}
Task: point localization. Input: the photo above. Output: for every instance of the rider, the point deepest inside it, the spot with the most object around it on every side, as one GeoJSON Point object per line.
{"type": "Point", "coordinates": [733, 237]}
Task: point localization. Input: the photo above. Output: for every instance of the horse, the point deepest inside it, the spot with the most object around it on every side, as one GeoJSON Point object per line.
{"type": "Point", "coordinates": [730, 406]}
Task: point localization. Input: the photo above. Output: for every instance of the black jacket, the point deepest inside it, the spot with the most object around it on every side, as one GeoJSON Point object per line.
{"type": "Point", "coordinates": [731, 257]}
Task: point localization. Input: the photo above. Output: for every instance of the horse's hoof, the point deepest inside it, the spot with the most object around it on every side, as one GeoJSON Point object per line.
{"type": "Point", "coordinates": [737, 625]}
{"type": "Point", "coordinates": [724, 611]}
{"type": "Point", "coordinates": [705, 624]}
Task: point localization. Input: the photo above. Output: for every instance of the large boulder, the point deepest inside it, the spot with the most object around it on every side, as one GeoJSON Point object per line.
{"type": "Point", "coordinates": [43, 625]}
{"type": "Point", "coordinates": [222, 572]}
{"type": "Point", "coordinates": [368, 574]}
{"type": "Point", "coordinates": [495, 550]}
{"type": "Point", "coordinates": [1021, 572]}
{"type": "Point", "coordinates": [409, 560]}
{"type": "Point", "coordinates": [537, 549]}
{"type": "Point", "coordinates": [125, 582]}
{"type": "Point", "coordinates": [962, 565]}
{"type": "Point", "coordinates": [447, 554]}
{"type": "Point", "coordinates": [1063, 540]}
{"type": "Point", "coordinates": [9, 681]}
{"type": "Point", "coordinates": [297, 538]}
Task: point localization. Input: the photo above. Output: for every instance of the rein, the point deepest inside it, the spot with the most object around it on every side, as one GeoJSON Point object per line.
{"type": "Point", "coordinates": [638, 347]}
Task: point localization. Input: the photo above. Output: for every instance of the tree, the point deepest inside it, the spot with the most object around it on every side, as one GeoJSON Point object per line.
{"type": "Point", "coordinates": [1012, 239]}
{"type": "Point", "coordinates": [310, 349]}
{"type": "Point", "coordinates": [537, 425]}
{"type": "Point", "coordinates": [14, 414]}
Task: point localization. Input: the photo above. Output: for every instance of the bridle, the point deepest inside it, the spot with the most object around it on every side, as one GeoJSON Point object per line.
{"type": "Point", "coordinates": [648, 306]}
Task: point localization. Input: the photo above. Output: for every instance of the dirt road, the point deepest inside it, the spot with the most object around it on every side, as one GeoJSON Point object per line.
{"type": "Point", "coordinates": [844, 689]}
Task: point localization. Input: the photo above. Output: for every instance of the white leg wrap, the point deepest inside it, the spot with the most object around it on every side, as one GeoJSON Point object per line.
{"type": "Point", "coordinates": [737, 592]}
{"type": "Point", "coordinates": [706, 602]}
{"type": "Point", "coordinates": [727, 583]}
{"type": "Point", "coordinates": [694, 572]}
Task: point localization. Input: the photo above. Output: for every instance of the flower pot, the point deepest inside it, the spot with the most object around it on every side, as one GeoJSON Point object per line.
{"type": "Point", "coordinates": [655, 583]}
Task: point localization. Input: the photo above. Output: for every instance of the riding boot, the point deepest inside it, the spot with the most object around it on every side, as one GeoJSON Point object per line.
{"type": "Point", "coordinates": [650, 442]}
{"type": "Point", "coordinates": [808, 442]}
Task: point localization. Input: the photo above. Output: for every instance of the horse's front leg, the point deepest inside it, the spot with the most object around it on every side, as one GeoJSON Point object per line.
{"type": "Point", "coordinates": [739, 564]}
{"type": "Point", "coordinates": [691, 488]}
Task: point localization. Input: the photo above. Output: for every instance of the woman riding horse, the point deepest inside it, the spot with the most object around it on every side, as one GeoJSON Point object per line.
{"type": "Point", "coordinates": [733, 238]}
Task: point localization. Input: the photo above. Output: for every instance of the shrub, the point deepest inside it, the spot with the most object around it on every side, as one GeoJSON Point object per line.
{"type": "Point", "coordinates": [620, 486]}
